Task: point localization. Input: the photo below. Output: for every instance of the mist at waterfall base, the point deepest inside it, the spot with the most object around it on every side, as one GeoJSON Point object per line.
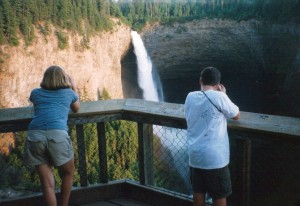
{"type": "Point", "coordinates": [172, 139]}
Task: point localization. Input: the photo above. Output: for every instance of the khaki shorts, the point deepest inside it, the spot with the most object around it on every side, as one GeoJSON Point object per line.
{"type": "Point", "coordinates": [53, 147]}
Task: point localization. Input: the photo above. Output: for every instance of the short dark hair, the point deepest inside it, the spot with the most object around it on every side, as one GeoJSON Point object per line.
{"type": "Point", "coordinates": [55, 78]}
{"type": "Point", "coordinates": [210, 76]}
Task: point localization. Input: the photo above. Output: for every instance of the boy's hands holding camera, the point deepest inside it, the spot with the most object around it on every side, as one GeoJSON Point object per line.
{"type": "Point", "coordinates": [221, 88]}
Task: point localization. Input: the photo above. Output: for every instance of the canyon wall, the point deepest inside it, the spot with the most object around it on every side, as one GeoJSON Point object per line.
{"type": "Point", "coordinates": [259, 61]}
{"type": "Point", "coordinates": [93, 69]}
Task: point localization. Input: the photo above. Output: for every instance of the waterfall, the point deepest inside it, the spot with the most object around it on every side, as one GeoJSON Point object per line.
{"type": "Point", "coordinates": [149, 82]}
{"type": "Point", "coordinates": [147, 77]}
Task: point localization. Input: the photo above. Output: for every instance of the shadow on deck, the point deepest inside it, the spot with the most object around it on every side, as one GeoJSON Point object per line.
{"type": "Point", "coordinates": [121, 193]}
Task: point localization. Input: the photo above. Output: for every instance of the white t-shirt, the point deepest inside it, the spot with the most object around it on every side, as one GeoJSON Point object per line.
{"type": "Point", "coordinates": [208, 144]}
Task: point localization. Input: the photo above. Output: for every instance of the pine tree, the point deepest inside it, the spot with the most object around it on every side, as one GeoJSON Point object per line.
{"type": "Point", "coordinates": [2, 39]}
{"type": "Point", "coordinates": [9, 21]}
{"type": "Point", "coordinates": [25, 19]}
{"type": "Point", "coordinates": [103, 7]}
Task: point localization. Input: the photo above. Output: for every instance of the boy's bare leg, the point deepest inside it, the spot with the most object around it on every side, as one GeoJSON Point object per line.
{"type": "Point", "coordinates": [219, 202]}
{"type": "Point", "coordinates": [198, 199]}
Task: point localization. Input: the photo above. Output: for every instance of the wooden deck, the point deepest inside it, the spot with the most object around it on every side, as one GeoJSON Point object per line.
{"type": "Point", "coordinates": [116, 193]}
{"type": "Point", "coordinates": [251, 129]}
{"type": "Point", "coordinates": [117, 202]}
{"type": "Point", "coordinates": [122, 202]}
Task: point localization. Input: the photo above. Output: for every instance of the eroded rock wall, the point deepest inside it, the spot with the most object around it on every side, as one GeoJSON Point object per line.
{"type": "Point", "coordinates": [258, 61]}
{"type": "Point", "coordinates": [93, 69]}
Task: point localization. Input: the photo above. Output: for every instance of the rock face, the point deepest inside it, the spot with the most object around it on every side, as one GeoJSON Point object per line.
{"type": "Point", "coordinates": [93, 69]}
{"type": "Point", "coordinates": [259, 61]}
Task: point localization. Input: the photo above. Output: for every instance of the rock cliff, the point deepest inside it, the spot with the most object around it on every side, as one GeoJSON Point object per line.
{"type": "Point", "coordinates": [93, 69]}
{"type": "Point", "coordinates": [259, 61]}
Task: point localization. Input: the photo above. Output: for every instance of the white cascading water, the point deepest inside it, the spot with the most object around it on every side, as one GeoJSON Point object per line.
{"type": "Point", "coordinates": [169, 137]}
{"type": "Point", "coordinates": [144, 69]}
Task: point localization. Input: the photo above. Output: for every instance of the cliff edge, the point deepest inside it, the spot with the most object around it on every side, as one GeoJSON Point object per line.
{"type": "Point", "coordinates": [93, 69]}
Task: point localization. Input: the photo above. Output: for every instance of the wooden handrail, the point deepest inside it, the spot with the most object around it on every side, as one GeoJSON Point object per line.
{"type": "Point", "coordinates": [147, 113]}
{"type": "Point", "coordinates": [166, 114]}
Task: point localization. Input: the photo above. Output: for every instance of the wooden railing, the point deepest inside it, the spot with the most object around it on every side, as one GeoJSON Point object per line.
{"type": "Point", "coordinates": [250, 127]}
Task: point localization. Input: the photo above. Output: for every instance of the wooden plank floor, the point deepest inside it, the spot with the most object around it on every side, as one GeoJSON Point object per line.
{"type": "Point", "coordinates": [117, 202]}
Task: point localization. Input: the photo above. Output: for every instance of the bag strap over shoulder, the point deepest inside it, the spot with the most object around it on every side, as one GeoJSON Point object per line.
{"type": "Point", "coordinates": [212, 102]}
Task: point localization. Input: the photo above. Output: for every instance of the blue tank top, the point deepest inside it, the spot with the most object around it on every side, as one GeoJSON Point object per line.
{"type": "Point", "coordinates": [51, 108]}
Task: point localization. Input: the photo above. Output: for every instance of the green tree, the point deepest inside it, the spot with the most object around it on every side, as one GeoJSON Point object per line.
{"type": "Point", "coordinates": [9, 20]}
{"type": "Point", "coordinates": [2, 39]}
{"type": "Point", "coordinates": [114, 10]}
{"type": "Point", "coordinates": [122, 148]}
{"type": "Point", "coordinates": [27, 15]}
{"type": "Point", "coordinates": [103, 7]}
{"type": "Point", "coordinates": [87, 17]}
{"type": "Point", "coordinates": [65, 14]}
{"type": "Point", "coordinates": [62, 39]}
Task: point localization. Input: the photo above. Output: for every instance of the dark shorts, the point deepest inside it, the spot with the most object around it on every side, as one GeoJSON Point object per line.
{"type": "Point", "coordinates": [215, 182]}
{"type": "Point", "coordinates": [53, 147]}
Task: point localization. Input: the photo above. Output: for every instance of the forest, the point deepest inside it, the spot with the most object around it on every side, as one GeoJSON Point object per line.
{"type": "Point", "coordinates": [19, 19]}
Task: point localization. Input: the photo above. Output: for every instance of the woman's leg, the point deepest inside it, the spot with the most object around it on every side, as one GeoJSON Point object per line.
{"type": "Point", "coordinates": [48, 183]}
{"type": "Point", "coordinates": [67, 171]}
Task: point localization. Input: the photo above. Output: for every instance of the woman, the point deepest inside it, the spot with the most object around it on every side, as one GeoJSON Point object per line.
{"type": "Point", "coordinates": [48, 143]}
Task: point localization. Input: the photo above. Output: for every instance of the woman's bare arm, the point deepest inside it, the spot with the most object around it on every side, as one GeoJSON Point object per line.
{"type": "Point", "coordinates": [76, 105]}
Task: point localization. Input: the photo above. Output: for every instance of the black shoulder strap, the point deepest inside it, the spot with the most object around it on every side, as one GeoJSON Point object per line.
{"type": "Point", "coordinates": [211, 102]}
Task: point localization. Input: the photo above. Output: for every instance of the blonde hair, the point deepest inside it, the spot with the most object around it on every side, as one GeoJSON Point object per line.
{"type": "Point", "coordinates": [55, 78]}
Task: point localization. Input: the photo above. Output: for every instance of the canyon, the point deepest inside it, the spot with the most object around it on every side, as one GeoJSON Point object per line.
{"type": "Point", "coordinates": [260, 65]}
{"type": "Point", "coordinates": [259, 61]}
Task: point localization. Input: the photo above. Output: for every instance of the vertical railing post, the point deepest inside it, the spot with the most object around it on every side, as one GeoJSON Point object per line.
{"type": "Point", "coordinates": [145, 151]}
{"type": "Point", "coordinates": [148, 148]}
{"type": "Point", "coordinates": [81, 155]}
{"type": "Point", "coordinates": [141, 153]}
{"type": "Point", "coordinates": [246, 172]}
{"type": "Point", "coordinates": [102, 152]}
